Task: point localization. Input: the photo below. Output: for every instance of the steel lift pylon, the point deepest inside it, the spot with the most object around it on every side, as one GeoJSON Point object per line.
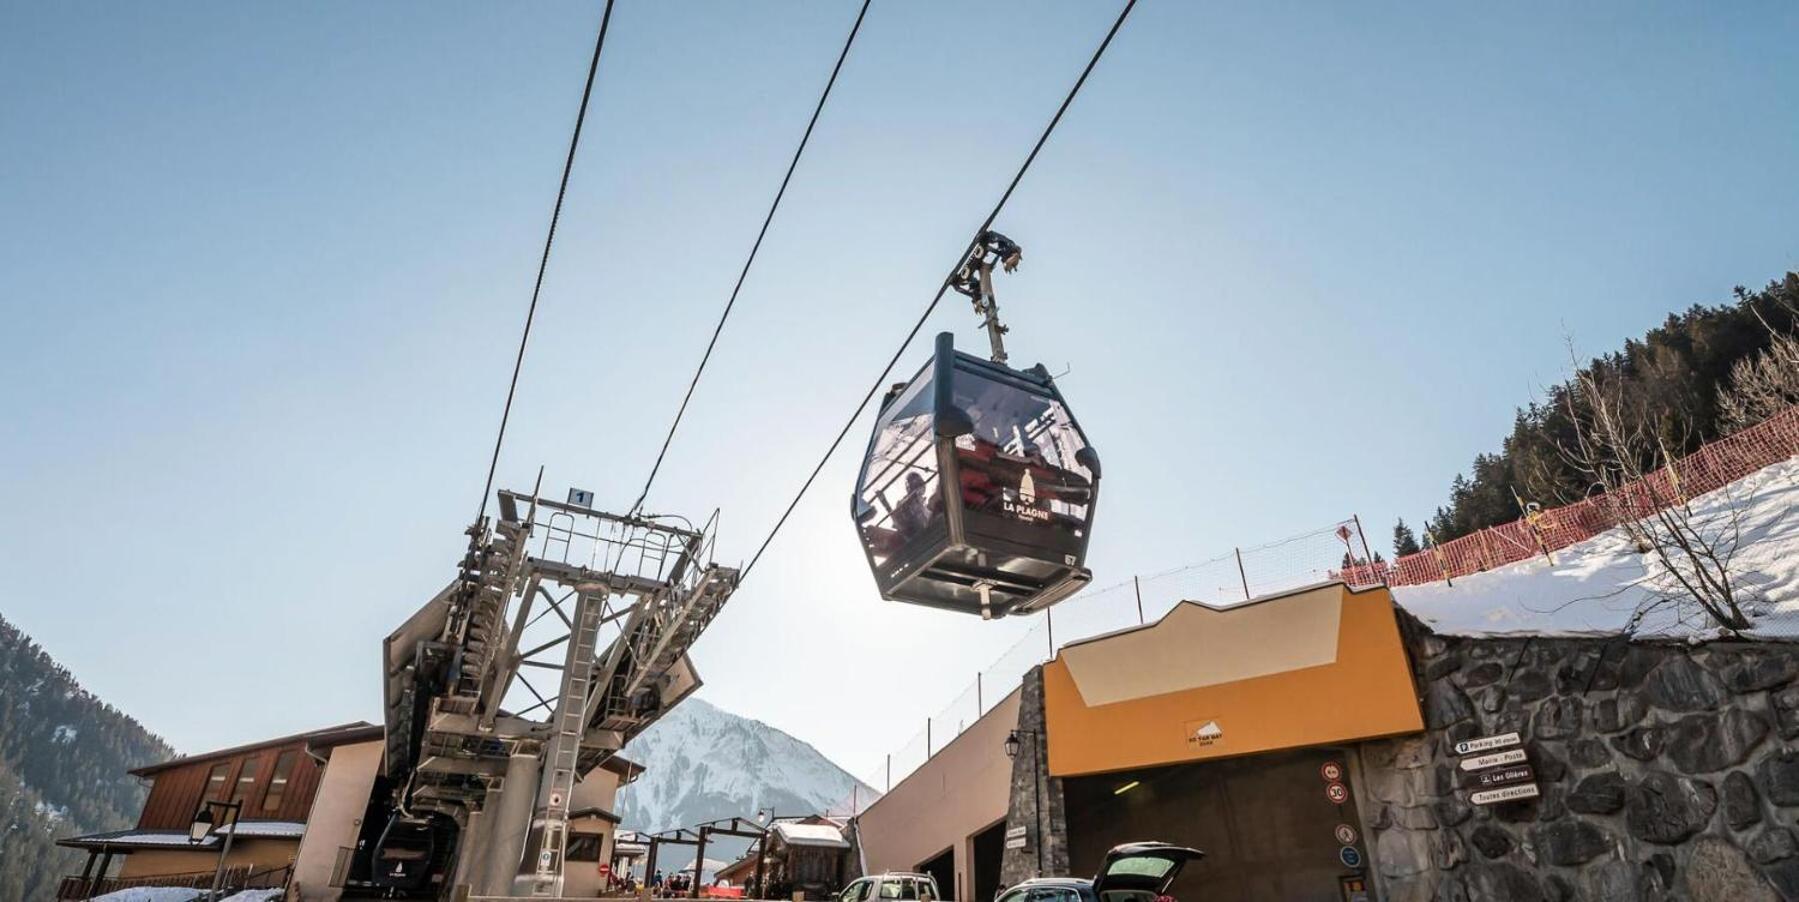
{"type": "Point", "coordinates": [623, 598]}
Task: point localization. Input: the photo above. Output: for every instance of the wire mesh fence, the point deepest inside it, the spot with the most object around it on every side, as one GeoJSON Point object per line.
{"type": "Point", "coordinates": [1332, 552]}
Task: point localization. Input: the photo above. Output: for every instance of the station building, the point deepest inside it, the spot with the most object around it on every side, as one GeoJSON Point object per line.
{"type": "Point", "coordinates": [1235, 730]}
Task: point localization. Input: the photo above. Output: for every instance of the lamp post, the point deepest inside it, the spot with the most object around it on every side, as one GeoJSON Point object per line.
{"type": "Point", "coordinates": [1012, 746]}
{"type": "Point", "coordinates": [764, 820]}
{"type": "Point", "coordinates": [203, 825]}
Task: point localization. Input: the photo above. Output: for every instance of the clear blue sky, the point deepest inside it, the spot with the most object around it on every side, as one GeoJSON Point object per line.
{"type": "Point", "coordinates": [263, 267]}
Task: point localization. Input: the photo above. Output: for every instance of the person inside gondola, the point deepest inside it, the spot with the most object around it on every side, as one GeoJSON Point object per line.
{"type": "Point", "coordinates": [910, 514]}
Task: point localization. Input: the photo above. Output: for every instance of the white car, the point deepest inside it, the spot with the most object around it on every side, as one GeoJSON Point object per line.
{"type": "Point", "coordinates": [892, 887]}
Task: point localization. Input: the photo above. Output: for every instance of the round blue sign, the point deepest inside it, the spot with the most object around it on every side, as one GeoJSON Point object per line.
{"type": "Point", "coordinates": [1351, 857]}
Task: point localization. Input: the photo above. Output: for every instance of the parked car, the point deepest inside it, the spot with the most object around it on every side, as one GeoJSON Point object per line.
{"type": "Point", "coordinates": [889, 887]}
{"type": "Point", "coordinates": [1133, 872]}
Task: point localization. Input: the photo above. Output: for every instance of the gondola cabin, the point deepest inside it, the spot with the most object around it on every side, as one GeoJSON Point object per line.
{"type": "Point", "coordinates": [978, 489]}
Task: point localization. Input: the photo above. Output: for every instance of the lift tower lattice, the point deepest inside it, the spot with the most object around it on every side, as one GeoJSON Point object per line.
{"type": "Point", "coordinates": [629, 594]}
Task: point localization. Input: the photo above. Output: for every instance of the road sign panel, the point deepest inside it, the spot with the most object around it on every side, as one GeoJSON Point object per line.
{"type": "Point", "coordinates": [1336, 792]}
{"type": "Point", "coordinates": [1350, 856]}
{"type": "Point", "coordinates": [1505, 794]}
{"type": "Point", "coordinates": [1346, 834]}
{"type": "Point", "coordinates": [1497, 759]}
{"type": "Point", "coordinates": [1488, 743]}
{"type": "Point", "coordinates": [1500, 776]}
{"type": "Point", "coordinates": [1331, 771]}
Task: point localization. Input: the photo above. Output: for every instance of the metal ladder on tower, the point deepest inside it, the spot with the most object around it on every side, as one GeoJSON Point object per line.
{"type": "Point", "coordinates": [563, 753]}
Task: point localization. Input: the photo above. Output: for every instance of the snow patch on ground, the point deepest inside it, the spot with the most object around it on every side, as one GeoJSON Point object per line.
{"type": "Point", "coordinates": [64, 734]}
{"type": "Point", "coordinates": [1600, 587]}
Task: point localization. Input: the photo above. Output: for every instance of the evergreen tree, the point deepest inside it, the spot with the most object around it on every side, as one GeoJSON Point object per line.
{"type": "Point", "coordinates": [1404, 541]}
{"type": "Point", "coordinates": [63, 760]}
{"type": "Point", "coordinates": [1670, 377]}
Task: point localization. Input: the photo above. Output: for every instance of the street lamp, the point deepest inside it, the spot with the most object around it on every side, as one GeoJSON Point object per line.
{"type": "Point", "coordinates": [203, 825]}
{"type": "Point", "coordinates": [1013, 745]}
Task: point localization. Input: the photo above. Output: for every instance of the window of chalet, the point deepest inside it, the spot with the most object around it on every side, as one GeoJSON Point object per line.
{"type": "Point", "coordinates": [215, 782]}
{"type": "Point", "coordinates": [284, 771]}
{"type": "Point", "coordinates": [584, 846]}
{"type": "Point", "coordinates": [246, 779]}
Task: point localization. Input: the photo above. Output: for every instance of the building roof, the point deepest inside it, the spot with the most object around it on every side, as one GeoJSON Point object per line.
{"type": "Point", "coordinates": [137, 839]}
{"type": "Point", "coordinates": [626, 769]}
{"type": "Point", "coordinates": [164, 839]}
{"type": "Point", "coordinates": [265, 830]}
{"type": "Point", "coordinates": [595, 811]}
{"type": "Point", "coordinates": [819, 835]}
{"type": "Point", "coordinates": [741, 869]}
{"type": "Point", "coordinates": [335, 735]}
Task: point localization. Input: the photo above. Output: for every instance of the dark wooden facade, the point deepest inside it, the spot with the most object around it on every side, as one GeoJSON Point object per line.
{"type": "Point", "coordinates": [275, 780]}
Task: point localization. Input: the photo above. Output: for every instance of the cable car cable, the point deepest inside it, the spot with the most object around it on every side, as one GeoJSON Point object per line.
{"type": "Point", "coordinates": [543, 264]}
{"type": "Point", "coordinates": [747, 263]}
{"type": "Point", "coordinates": [947, 280]}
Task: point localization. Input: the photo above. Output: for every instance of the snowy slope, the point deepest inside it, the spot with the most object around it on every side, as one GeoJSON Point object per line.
{"type": "Point", "coordinates": [702, 763]}
{"type": "Point", "coordinates": [1596, 587]}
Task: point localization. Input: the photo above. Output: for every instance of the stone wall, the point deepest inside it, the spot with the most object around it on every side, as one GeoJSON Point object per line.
{"type": "Point", "coordinates": [1667, 772]}
{"type": "Point", "coordinates": [1036, 802]}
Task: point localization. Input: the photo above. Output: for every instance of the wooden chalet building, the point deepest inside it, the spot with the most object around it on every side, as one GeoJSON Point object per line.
{"type": "Point", "coordinates": [282, 784]}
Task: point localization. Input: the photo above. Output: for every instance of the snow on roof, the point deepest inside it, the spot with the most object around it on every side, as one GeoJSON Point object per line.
{"type": "Point", "coordinates": [183, 894]}
{"type": "Point", "coordinates": [1605, 587]}
{"type": "Point", "coordinates": [137, 838]}
{"type": "Point", "coordinates": [265, 830]}
{"type": "Point", "coordinates": [810, 835]}
{"type": "Point", "coordinates": [151, 894]}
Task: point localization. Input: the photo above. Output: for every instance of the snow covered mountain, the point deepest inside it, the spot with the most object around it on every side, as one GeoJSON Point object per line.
{"type": "Point", "coordinates": [701, 763]}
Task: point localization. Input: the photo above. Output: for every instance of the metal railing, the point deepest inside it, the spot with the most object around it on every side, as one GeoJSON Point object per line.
{"type": "Point", "coordinates": [237, 878]}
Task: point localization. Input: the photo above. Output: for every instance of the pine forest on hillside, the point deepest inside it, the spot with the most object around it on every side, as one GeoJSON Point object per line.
{"type": "Point", "coordinates": [63, 761]}
{"type": "Point", "coordinates": [1701, 375]}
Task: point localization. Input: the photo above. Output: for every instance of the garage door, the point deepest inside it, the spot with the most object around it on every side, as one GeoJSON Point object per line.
{"type": "Point", "coordinates": [1272, 826]}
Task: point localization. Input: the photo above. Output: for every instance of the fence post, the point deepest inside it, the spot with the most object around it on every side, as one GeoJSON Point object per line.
{"type": "Point", "coordinates": [980, 707]}
{"type": "Point", "coordinates": [1138, 586]}
{"type": "Point", "coordinates": [1049, 621]}
{"type": "Point", "coordinates": [1240, 574]}
{"type": "Point", "coordinates": [1366, 554]}
{"type": "Point", "coordinates": [889, 773]}
{"type": "Point", "coordinates": [927, 739]}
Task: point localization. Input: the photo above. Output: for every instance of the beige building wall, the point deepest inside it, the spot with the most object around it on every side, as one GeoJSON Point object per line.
{"type": "Point", "coordinates": [581, 879]}
{"type": "Point", "coordinates": [961, 791]}
{"type": "Point", "coordinates": [336, 819]}
{"type": "Point", "coordinates": [259, 854]}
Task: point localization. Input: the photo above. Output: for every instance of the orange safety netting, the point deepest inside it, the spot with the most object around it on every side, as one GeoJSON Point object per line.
{"type": "Point", "coordinates": [1710, 468]}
